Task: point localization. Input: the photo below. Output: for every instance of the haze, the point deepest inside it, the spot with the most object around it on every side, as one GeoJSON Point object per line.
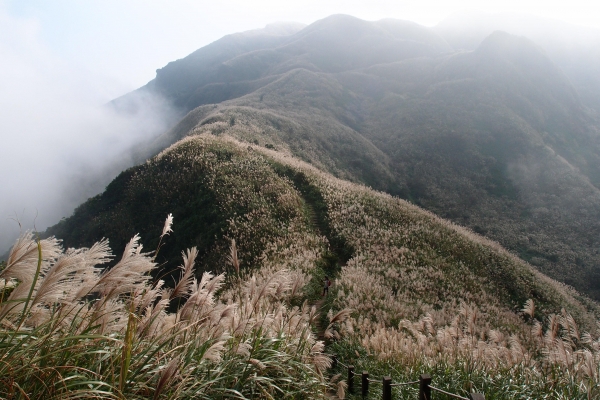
{"type": "Point", "coordinates": [62, 60]}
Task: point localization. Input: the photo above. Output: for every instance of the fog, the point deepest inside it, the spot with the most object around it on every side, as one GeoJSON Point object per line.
{"type": "Point", "coordinates": [556, 37]}
{"type": "Point", "coordinates": [575, 49]}
{"type": "Point", "coordinates": [61, 144]}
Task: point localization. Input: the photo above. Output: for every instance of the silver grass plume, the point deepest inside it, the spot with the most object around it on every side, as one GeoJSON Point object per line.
{"type": "Point", "coordinates": [202, 296]}
{"type": "Point", "coordinates": [341, 390]}
{"type": "Point", "coordinates": [131, 271]}
{"type": "Point", "coordinates": [149, 296]}
{"type": "Point", "coordinates": [166, 375]}
{"type": "Point", "coordinates": [213, 353]}
{"type": "Point", "coordinates": [570, 326]}
{"type": "Point", "coordinates": [166, 230]}
{"type": "Point", "coordinates": [22, 265]}
{"type": "Point", "coordinates": [233, 258]}
{"type": "Point", "coordinates": [257, 363]}
{"type": "Point", "coordinates": [537, 330]}
{"type": "Point", "coordinates": [589, 366]}
{"type": "Point", "coordinates": [186, 281]}
{"type": "Point", "coordinates": [167, 227]}
{"type": "Point", "coordinates": [243, 349]}
{"type": "Point", "coordinates": [340, 316]}
{"type": "Point", "coordinates": [529, 308]}
{"type": "Point", "coordinates": [62, 281]}
{"type": "Point", "coordinates": [23, 257]}
{"type": "Point", "coordinates": [320, 360]}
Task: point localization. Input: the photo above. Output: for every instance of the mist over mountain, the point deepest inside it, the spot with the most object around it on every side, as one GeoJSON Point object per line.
{"type": "Point", "coordinates": [289, 201]}
{"type": "Point", "coordinates": [493, 131]}
{"type": "Point", "coordinates": [241, 63]}
{"type": "Point", "coordinates": [575, 49]}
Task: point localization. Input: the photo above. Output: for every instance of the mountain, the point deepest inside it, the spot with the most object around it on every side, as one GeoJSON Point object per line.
{"type": "Point", "coordinates": [241, 63]}
{"type": "Point", "coordinates": [496, 138]}
{"type": "Point", "coordinates": [328, 151]}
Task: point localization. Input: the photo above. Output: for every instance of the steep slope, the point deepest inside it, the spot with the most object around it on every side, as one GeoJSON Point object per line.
{"type": "Point", "coordinates": [392, 263]}
{"type": "Point", "coordinates": [496, 139]}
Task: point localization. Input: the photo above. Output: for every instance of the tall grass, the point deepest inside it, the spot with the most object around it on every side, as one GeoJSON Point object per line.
{"type": "Point", "coordinates": [551, 361]}
{"type": "Point", "coordinates": [71, 329]}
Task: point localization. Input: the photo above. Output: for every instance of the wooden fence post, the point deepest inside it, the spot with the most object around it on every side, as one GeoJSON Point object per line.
{"type": "Point", "coordinates": [350, 378]}
{"type": "Point", "coordinates": [477, 396]}
{"type": "Point", "coordinates": [364, 384]}
{"type": "Point", "coordinates": [387, 388]}
{"type": "Point", "coordinates": [333, 361]}
{"type": "Point", "coordinates": [424, 389]}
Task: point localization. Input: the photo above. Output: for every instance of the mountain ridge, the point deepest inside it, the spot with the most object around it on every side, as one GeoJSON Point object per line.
{"type": "Point", "coordinates": [204, 165]}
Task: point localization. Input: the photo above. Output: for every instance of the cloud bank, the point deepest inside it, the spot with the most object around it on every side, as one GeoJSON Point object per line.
{"type": "Point", "coordinates": [60, 143]}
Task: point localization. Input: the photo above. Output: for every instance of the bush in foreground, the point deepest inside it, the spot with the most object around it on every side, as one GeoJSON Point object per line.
{"type": "Point", "coordinates": [70, 329]}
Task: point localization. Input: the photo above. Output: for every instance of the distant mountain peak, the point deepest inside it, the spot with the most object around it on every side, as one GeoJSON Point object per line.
{"type": "Point", "coordinates": [506, 44]}
{"type": "Point", "coordinates": [276, 29]}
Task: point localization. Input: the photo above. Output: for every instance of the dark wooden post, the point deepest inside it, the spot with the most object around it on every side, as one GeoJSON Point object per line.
{"type": "Point", "coordinates": [424, 389]}
{"type": "Point", "coordinates": [333, 361]}
{"type": "Point", "coordinates": [350, 378]}
{"type": "Point", "coordinates": [387, 388]}
{"type": "Point", "coordinates": [477, 396]}
{"type": "Point", "coordinates": [364, 385]}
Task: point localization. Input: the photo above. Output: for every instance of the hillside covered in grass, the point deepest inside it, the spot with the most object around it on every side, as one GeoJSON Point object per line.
{"type": "Point", "coordinates": [270, 203]}
{"type": "Point", "coordinates": [419, 293]}
{"type": "Point", "coordinates": [495, 138]}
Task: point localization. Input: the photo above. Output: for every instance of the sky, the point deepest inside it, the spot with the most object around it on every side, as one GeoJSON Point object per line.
{"type": "Point", "coordinates": [61, 60]}
{"type": "Point", "coordinates": [123, 42]}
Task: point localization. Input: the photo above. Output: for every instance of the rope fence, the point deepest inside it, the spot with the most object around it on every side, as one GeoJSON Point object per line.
{"type": "Point", "coordinates": [335, 362]}
{"type": "Point", "coordinates": [405, 383]}
{"type": "Point", "coordinates": [424, 382]}
{"type": "Point", "coordinates": [448, 394]}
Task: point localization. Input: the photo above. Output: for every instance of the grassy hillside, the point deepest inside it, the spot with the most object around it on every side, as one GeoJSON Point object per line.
{"type": "Point", "coordinates": [220, 189]}
{"type": "Point", "coordinates": [395, 266]}
{"type": "Point", "coordinates": [214, 190]}
{"type": "Point", "coordinates": [490, 179]}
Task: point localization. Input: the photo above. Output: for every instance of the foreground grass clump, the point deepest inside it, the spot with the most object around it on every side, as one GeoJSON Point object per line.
{"type": "Point", "coordinates": [554, 360]}
{"type": "Point", "coordinates": [70, 329]}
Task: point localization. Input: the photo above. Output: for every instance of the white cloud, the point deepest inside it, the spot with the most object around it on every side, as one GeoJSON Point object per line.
{"type": "Point", "coordinates": [59, 144]}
